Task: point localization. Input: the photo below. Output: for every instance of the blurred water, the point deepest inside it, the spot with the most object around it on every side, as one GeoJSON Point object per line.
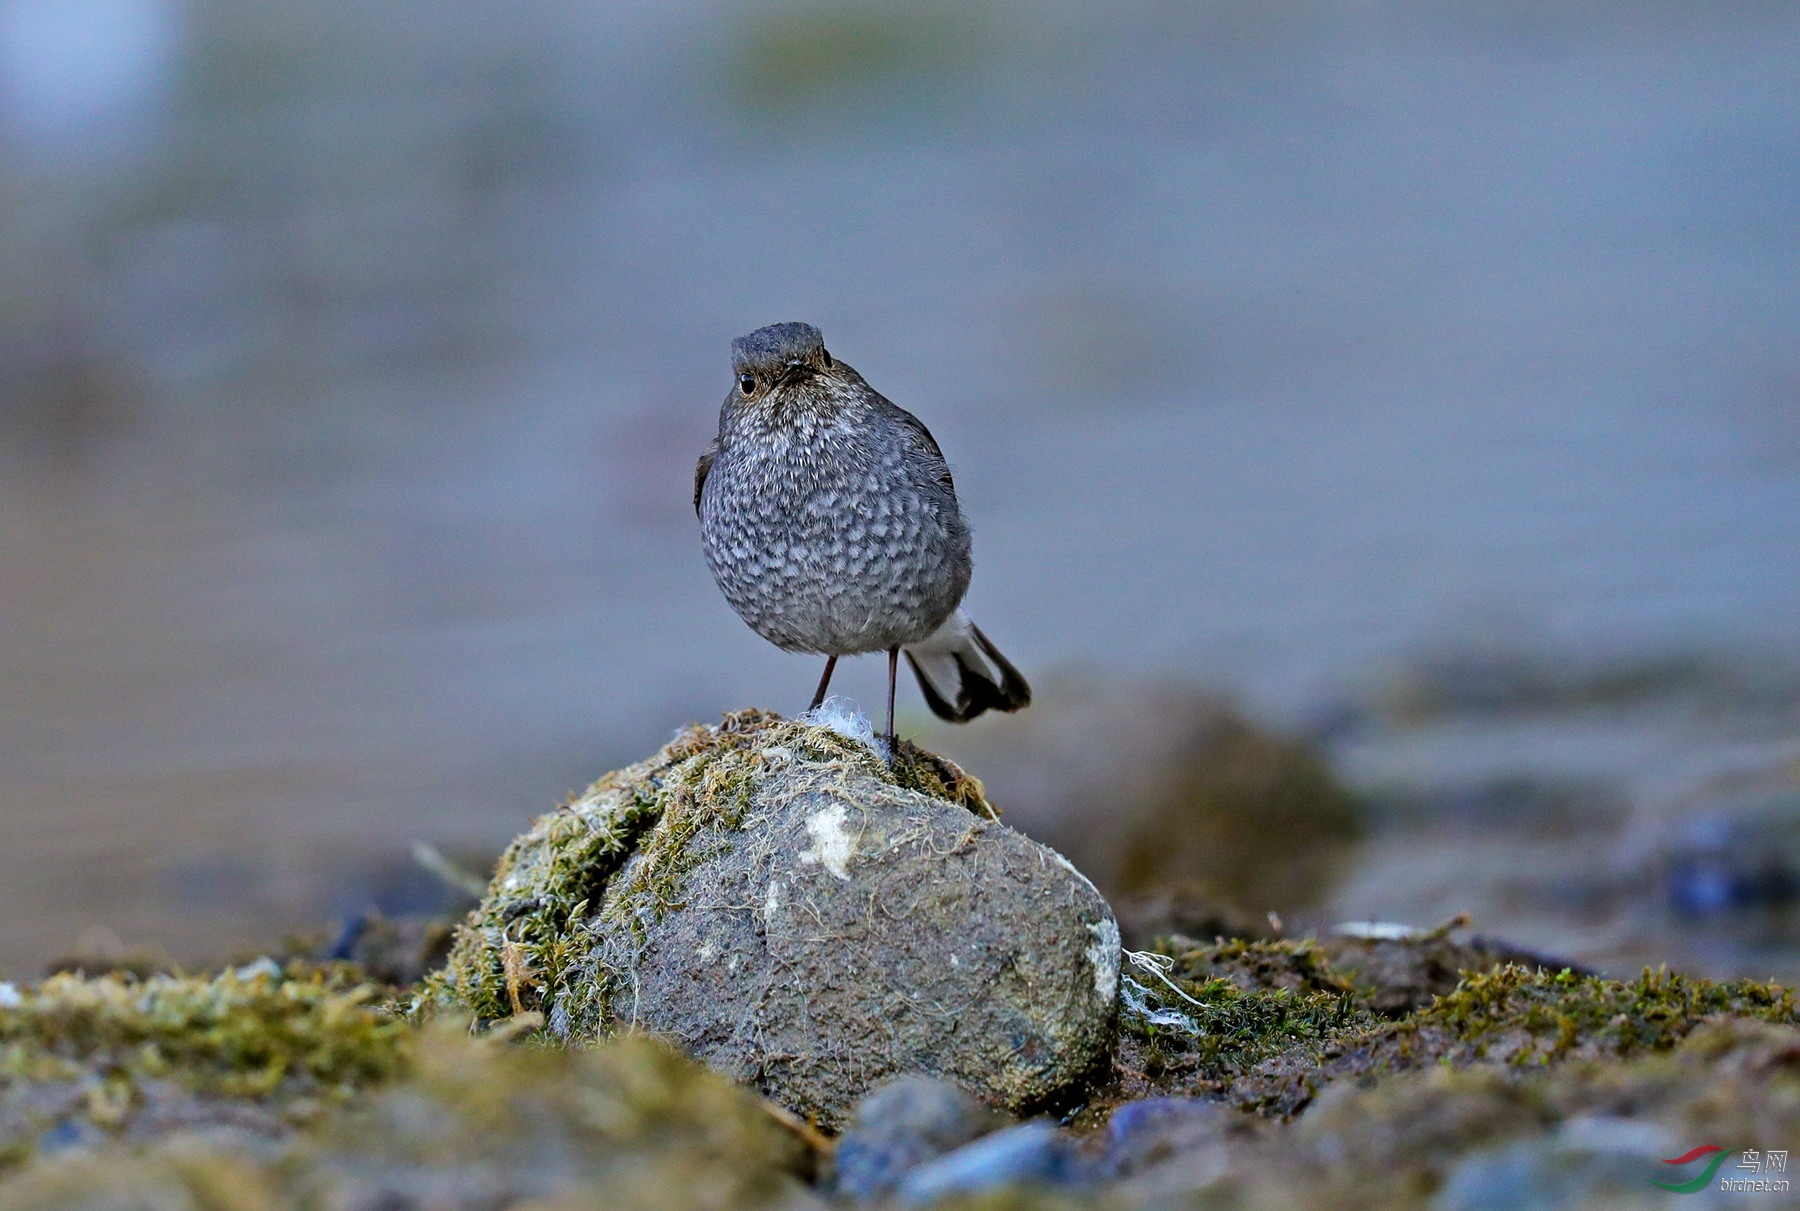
{"type": "Point", "coordinates": [80, 76]}
{"type": "Point", "coordinates": [349, 414]}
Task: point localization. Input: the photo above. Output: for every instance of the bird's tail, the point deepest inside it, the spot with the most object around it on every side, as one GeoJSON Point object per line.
{"type": "Point", "coordinates": [964, 674]}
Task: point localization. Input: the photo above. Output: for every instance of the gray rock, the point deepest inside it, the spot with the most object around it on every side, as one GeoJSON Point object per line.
{"type": "Point", "coordinates": [788, 908]}
{"type": "Point", "coordinates": [847, 930]}
{"type": "Point", "coordinates": [903, 1124]}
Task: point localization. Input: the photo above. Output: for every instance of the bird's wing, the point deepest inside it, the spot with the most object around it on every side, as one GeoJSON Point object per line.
{"type": "Point", "coordinates": [700, 471]}
{"type": "Point", "coordinates": [916, 428]}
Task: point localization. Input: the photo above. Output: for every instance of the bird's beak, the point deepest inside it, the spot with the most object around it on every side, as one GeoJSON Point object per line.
{"type": "Point", "coordinates": [796, 370]}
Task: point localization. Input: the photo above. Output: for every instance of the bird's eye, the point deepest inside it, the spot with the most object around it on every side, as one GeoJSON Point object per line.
{"type": "Point", "coordinates": [826, 354]}
{"type": "Point", "coordinates": [747, 383]}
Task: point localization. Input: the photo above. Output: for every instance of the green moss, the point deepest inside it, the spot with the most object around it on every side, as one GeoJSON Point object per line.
{"type": "Point", "coordinates": [474, 1122]}
{"type": "Point", "coordinates": [530, 945]}
{"type": "Point", "coordinates": [1518, 1021]}
{"type": "Point", "coordinates": [1534, 1017]}
{"type": "Point", "coordinates": [1239, 1004]}
{"type": "Point", "coordinates": [1239, 1029]}
{"type": "Point", "coordinates": [112, 1049]}
{"type": "Point", "coordinates": [235, 1036]}
{"type": "Point", "coordinates": [1268, 1024]}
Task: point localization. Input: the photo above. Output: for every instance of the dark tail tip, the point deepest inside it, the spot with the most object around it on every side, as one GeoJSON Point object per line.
{"type": "Point", "coordinates": [975, 690]}
{"type": "Point", "coordinates": [1014, 694]}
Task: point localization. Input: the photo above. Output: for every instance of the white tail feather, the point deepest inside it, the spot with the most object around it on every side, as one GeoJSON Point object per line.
{"type": "Point", "coordinates": [963, 674]}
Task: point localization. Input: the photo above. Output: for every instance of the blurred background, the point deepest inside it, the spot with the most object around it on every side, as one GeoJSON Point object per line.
{"type": "Point", "coordinates": [1380, 423]}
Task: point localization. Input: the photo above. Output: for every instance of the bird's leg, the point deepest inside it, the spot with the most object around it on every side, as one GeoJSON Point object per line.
{"type": "Point", "coordinates": [893, 671]}
{"type": "Point", "coordinates": [824, 683]}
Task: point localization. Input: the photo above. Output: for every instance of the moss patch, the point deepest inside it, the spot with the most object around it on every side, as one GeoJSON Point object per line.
{"type": "Point", "coordinates": [1397, 975]}
{"type": "Point", "coordinates": [1268, 1024]}
{"type": "Point", "coordinates": [1215, 1012]}
{"type": "Point", "coordinates": [626, 1123]}
{"type": "Point", "coordinates": [117, 1053]}
{"type": "Point", "coordinates": [1523, 1017]}
{"type": "Point", "coordinates": [530, 946]}
{"type": "Point", "coordinates": [472, 1123]}
{"type": "Point", "coordinates": [1517, 1020]}
{"type": "Point", "coordinates": [1236, 1029]}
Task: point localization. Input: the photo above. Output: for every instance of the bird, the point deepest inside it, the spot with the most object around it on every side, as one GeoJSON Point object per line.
{"type": "Point", "coordinates": [829, 519]}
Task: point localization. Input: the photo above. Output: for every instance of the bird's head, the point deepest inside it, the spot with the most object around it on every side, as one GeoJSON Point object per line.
{"type": "Point", "coordinates": [784, 365]}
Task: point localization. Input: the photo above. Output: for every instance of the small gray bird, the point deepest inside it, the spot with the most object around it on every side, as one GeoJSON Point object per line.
{"type": "Point", "coordinates": [830, 521]}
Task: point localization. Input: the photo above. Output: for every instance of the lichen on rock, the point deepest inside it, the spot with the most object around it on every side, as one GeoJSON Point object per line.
{"type": "Point", "coordinates": [778, 900]}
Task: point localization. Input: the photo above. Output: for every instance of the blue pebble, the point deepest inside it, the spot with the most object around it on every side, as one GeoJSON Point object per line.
{"type": "Point", "coordinates": [69, 1133]}
{"type": "Point", "coordinates": [1034, 1153]}
{"type": "Point", "coordinates": [1142, 1133]}
{"type": "Point", "coordinates": [901, 1125]}
{"type": "Point", "coordinates": [1155, 1114]}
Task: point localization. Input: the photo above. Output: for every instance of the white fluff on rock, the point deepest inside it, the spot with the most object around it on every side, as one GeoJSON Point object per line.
{"type": "Point", "coordinates": [844, 717]}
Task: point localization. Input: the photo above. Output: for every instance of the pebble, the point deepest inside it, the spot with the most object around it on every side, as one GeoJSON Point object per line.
{"type": "Point", "coordinates": [1145, 1133]}
{"type": "Point", "coordinates": [902, 1124]}
{"type": "Point", "coordinates": [1033, 1153]}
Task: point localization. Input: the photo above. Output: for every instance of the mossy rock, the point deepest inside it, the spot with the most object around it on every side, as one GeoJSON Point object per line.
{"type": "Point", "coordinates": [528, 946]}
{"type": "Point", "coordinates": [786, 906]}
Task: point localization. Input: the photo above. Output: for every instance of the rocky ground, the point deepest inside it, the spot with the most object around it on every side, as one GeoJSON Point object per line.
{"type": "Point", "coordinates": [766, 969]}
